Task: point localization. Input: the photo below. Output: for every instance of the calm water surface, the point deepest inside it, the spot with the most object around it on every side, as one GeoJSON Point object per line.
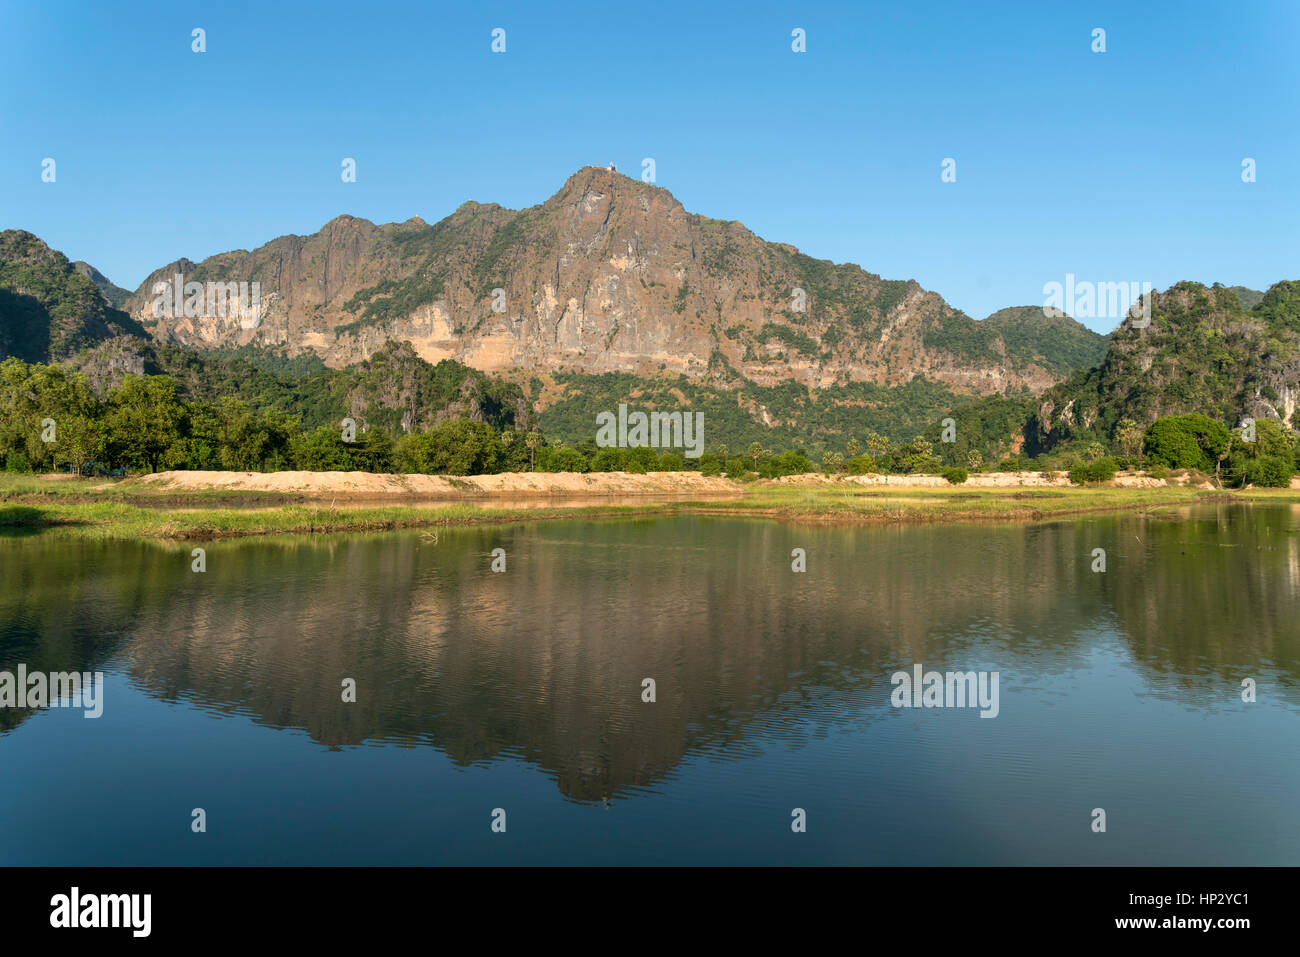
{"type": "Point", "coordinates": [522, 691]}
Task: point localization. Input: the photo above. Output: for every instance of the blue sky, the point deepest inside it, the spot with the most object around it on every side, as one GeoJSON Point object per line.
{"type": "Point", "coordinates": [1115, 166]}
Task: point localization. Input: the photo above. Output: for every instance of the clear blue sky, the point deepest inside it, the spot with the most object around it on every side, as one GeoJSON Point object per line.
{"type": "Point", "coordinates": [1122, 166]}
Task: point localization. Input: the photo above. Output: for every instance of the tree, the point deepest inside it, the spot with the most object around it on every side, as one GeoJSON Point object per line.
{"type": "Point", "coordinates": [146, 420]}
{"type": "Point", "coordinates": [917, 455]}
{"type": "Point", "coordinates": [854, 448]}
{"type": "Point", "coordinates": [1128, 436]}
{"type": "Point", "coordinates": [533, 440]}
{"type": "Point", "coordinates": [1102, 470]}
{"type": "Point", "coordinates": [1267, 460]}
{"type": "Point", "coordinates": [1192, 441]}
{"type": "Point", "coordinates": [244, 440]}
{"type": "Point", "coordinates": [322, 450]}
{"type": "Point", "coordinates": [563, 459]}
{"type": "Point", "coordinates": [81, 439]}
{"type": "Point", "coordinates": [455, 447]}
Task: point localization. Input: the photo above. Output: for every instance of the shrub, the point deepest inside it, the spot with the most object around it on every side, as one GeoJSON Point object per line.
{"type": "Point", "coordinates": [787, 463]}
{"type": "Point", "coordinates": [1009, 465]}
{"type": "Point", "coordinates": [561, 460]}
{"type": "Point", "coordinates": [672, 462]}
{"type": "Point", "coordinates": [860, 465]}
{"type": "Point", "coordinates": [454, 447]}
{"type": "Point", "coordinates": [1270, 471]}
{"type": "Point", "coordinates": [15, 461]}
{"type": "Point", "coordinates": [1102, 470]}
{"type": "Point", "coordinates": [609, 460]}
{"type": "Point", "coordinates": [1158, 472]}
{"type": "Point", "coordinates": [955, 476]}
{"type": "Point", "coordinates": [640, 460]}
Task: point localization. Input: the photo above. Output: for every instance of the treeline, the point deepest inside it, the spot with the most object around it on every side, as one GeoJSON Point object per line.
{"type": "Point", "coordinates": [1258, 452]}
{"type": "Point", "coordinates": [55, 422]}
{"type": "Point", "coordinates": [393, 389]}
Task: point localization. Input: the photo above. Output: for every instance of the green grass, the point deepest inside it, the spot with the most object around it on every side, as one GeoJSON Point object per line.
{"type": "Point", "coordinates": [76, 507]}
{"type": "Point", "coordinates": [25, 488]}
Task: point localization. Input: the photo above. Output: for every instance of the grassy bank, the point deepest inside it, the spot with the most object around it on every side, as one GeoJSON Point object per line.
{"type": "Point", "coordinates": [96, 509]}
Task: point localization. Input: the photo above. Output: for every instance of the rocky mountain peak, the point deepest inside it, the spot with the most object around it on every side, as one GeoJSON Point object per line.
{"type": "Point", "coordinates": [609, 274]}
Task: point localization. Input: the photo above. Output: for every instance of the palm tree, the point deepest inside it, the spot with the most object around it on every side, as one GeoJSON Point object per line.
{"type": "Point", "coordinates": [1129, 435]}
{"type": "Point", "coordinates": [534, 439]}
{"type": "Point", "coordinates": [878, 444]}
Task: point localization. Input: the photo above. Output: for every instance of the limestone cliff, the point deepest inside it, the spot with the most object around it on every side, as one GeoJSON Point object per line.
{"type": "Point", "coordinates": [608, 275]}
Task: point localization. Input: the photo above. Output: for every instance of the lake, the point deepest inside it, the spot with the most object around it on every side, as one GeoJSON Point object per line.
{"type": "Point", "coordinates": [483, 695]}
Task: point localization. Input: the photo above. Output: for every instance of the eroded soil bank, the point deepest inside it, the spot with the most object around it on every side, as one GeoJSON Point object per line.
{"type": "Point", "coordinates": [376, 487]}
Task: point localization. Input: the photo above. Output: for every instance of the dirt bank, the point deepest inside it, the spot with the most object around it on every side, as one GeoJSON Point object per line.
{"type": "Point", "coordinates": [365, 485]}
{"type": "Point", "coordinates": [987, 480]}
{"type": "Point", "coordinates": [368, 486]}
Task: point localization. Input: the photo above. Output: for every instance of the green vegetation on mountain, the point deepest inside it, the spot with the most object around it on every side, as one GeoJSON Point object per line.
{"type": "Point", "coordinates": [394, 389]}
{"type": "Point", "coordinates": [1247, 298]}
{"type": "Point", "coordinates": [49, 309]}
{"type": "Point", "coordinates": [215, 414]}
{"type": "Point", "coordinates": [113, 294]}
{"type": "Point", "coordinates": [1203, 353]}
{"type": "Point", "coordinates": [1060, 344]}
{"type": "Point", "coordinates": [788, 416]}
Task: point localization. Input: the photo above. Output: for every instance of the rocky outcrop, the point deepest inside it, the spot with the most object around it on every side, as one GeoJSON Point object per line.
{"type": "Point", "coordinates": [50, 310]}
{"type": "Point", "coordinates": [1202, 351]}
{"type": "Point", "coordinates": [608, 275]}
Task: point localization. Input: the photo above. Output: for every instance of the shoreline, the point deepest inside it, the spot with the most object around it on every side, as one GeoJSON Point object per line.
{"type": "Point", "coordinates": [211, 506]}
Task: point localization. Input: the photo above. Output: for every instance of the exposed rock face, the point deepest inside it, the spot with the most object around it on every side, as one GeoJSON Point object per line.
{"type": "Point", "coordinates": [106, 365]}
{"type": "Point", "coordinates": [608, 275]}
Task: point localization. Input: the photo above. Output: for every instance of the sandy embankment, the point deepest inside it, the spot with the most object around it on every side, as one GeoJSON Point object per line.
{"type": "Point", "coordinates": [365, 485]}
{"type": "Point", "coordinates": [982, 480]}
{"type": "Point", "coordinates": [368, 485]}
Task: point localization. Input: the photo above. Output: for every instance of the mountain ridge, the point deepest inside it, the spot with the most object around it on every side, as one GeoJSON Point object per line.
{"type": "Point", "coordinates": [609, 274]}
